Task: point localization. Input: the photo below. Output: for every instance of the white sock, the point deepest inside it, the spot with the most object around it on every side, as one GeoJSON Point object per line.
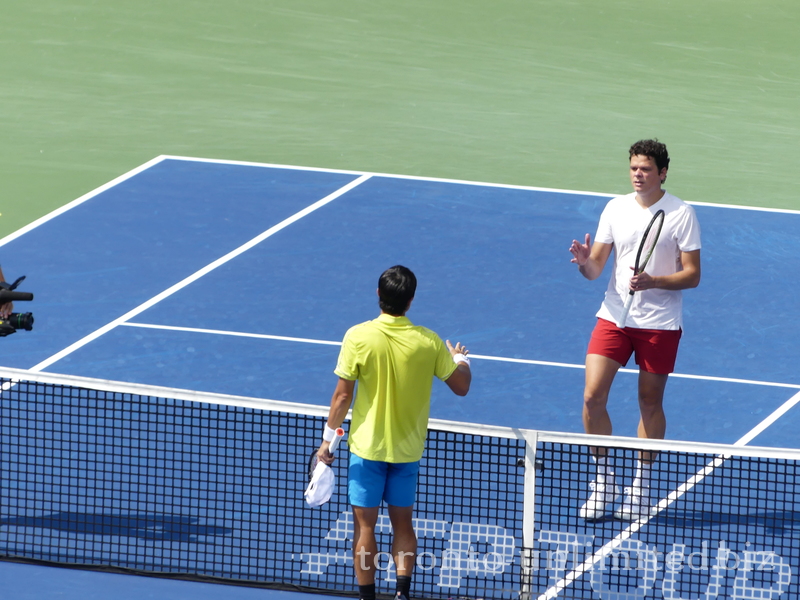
{"type": "Point", "coordinates": [605, 473]}
{"type": "Point", "coordinates": [642, 478]}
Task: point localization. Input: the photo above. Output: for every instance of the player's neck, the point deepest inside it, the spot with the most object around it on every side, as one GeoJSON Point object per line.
{"type": "Point", "coordinates": [647, 200]}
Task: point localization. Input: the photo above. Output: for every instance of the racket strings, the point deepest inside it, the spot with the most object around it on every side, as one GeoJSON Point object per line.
{"type": "Point", "coordinates": [313, 461]}
{"type": "Point", "coordinates": [649, 241]}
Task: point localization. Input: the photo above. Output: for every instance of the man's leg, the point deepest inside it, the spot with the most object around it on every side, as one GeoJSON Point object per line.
{"type": "Point", "coordinates": [652, 425]}
{"type": "Point", "coordinates": [600, 373]}
{"type": "Point", "coordinates": [365, 546]}
{"type": "Point", "coordinates": [404, 545]}
{"type": "Point", "coordinates": [653, 421]}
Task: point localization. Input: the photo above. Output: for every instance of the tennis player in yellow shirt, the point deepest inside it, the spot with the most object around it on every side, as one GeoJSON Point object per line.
{"type": "Point", "coordinates": [394, 363]}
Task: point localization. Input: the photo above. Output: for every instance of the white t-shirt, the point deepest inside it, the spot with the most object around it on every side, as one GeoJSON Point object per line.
{"type": "Point", "coordinates": [622, 224]}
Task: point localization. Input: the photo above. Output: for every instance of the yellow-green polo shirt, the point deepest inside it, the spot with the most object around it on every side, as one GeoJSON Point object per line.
{"type": "Point", "coordinates": [394, 362]}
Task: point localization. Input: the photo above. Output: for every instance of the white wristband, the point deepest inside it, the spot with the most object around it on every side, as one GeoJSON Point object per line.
{"type": "Point", "coordinates": [457, 358]}
{"type": "Point", "coordinates": [328, 434]}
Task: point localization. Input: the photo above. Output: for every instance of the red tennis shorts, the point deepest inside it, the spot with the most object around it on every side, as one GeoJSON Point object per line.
{"type": "Point", "coordinates": [655, 349]}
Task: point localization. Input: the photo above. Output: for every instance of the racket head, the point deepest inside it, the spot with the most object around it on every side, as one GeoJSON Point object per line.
{"type": "Point", "coordinates": [312, 463]}
{"type": "Point", "coordinates": [649, 241]}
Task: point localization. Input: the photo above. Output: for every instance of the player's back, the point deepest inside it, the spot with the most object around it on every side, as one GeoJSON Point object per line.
{"type": "Point", "coordinates": [394, 362]}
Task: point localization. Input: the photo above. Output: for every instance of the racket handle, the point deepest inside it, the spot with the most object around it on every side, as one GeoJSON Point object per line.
{"type": "Point", "coordinates": [336, 439]}
{"type": "Point", "coordinates": [625, 309]}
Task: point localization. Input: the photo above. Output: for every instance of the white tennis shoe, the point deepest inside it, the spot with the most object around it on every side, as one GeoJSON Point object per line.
{"type": "Point", "coordinates": [635, 504]}
{"type": "Point", "coordinates": [600, 502]}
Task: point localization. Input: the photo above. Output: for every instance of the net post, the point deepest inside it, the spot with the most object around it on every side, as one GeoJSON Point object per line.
{"type": "Point", "coordinates": [527, 555]}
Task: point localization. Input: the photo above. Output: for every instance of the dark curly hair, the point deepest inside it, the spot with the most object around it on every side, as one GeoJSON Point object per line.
{"type": "Point", "coordinates": [396, 288]}
{"type": "Point", "coordinates": [652, 148]}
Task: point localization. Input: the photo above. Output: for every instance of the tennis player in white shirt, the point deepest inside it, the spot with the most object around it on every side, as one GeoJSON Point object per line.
{"type": "Point", "coordinates": [654, 324]}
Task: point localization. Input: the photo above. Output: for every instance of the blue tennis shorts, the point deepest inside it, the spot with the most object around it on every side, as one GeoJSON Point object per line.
{"type": "Point", "coordinates": [370, 481]}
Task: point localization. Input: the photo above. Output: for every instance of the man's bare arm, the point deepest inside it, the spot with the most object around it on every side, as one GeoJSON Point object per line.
{"type": "Point", "coordinates": [688, 277]}
{"type": "Point", "coordinates": [340, 404]}
{"type": "Point", "coordinates": [460, 380]}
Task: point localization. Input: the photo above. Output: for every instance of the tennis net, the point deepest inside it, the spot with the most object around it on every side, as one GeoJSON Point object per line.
{"type": "Point", "coordinates": [724, 523]}
{"type": "Point", "coordinates": [176, 483]}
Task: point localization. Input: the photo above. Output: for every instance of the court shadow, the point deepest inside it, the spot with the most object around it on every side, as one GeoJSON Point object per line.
{"type": "Point", "coordinates": [773, 522]}
{"type": "Point", "coordinates": [166, 527]}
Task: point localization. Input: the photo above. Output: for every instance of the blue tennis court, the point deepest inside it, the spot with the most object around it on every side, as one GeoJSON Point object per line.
{"type": "Point", "coordinates": [34, 582]}
{"type": "Point", "coordinates": [241, 279]}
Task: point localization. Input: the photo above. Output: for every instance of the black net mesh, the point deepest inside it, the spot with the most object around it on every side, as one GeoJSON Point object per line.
{"type": "Point", "coordinates": [721, 526]}
{"type": "Point", "coordinates": [175, 487]}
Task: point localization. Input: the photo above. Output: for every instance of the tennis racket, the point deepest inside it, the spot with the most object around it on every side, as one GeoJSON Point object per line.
{"type": "Point", "coordinates": [322, 481]}
{"type": "Point", "coordinates": [646, 247]}
{"type": "Point", "coordinates": [313, 460]}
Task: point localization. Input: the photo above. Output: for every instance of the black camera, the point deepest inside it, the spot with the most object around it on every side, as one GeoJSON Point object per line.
{"type": "Point", "coordinates": [15, 320]}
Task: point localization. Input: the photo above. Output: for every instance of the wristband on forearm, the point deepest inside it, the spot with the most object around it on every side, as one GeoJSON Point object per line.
{"type": "Point", "coordinates": [328, 434]}
{"type": "Point", "coordinates": [457, 358]}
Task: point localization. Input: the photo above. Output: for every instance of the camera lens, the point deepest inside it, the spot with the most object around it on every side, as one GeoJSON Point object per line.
{"type": "Point", "coordinates": [21, 321]}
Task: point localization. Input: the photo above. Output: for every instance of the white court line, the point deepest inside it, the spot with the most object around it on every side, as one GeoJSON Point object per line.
{"type": "Point", "coordinates": [198, 274]}
{"type": "Point", "coordinates": [81, 200]}
{"type": "Point", "coordinates": [456, 181]}
{"type": "Point", "coordinates": [505, 186]}
{"type": "Point", "coordinates": [143, 167]}
{"type": "Point", "coordinates": [677, 375]}
{"type": "Point", "coordinates": [774, 416]}
{"type": "Point", "coordinates": [541, 363]}
{"type": "Point", "coordinates": [262, 336]}
{"type": "Point", "coordinates": [164, 157]}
